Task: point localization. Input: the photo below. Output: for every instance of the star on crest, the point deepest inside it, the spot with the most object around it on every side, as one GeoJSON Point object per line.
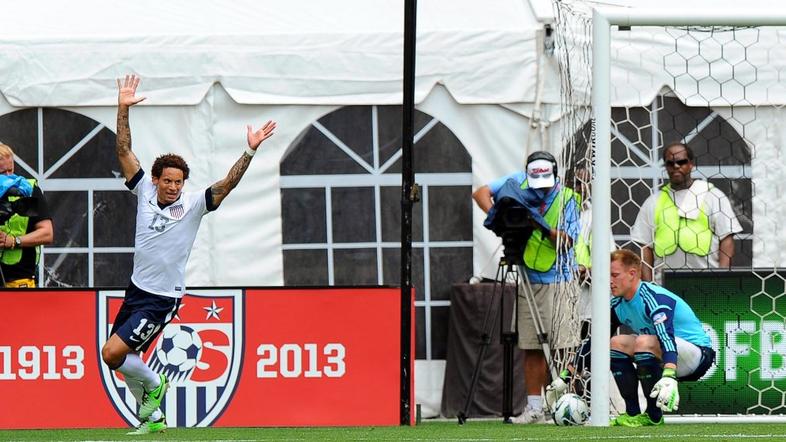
{"type": "Point", "coordinates": [213, 310]}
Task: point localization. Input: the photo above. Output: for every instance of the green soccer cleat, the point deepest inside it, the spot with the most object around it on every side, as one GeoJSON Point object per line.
{"type": "Point", "coordinates": [149, 427]}
{"type": "Point", "coordinates": [151, 400]}
{"type": "Point", "coordinates": [646, 421]}
{"type": "Point", "coordinates": [626, 420]}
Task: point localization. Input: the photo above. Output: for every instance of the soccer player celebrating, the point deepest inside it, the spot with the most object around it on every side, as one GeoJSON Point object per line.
{"type": "Point", "coordinates": [167, 221]}
{"type": "Point", "coordinates": [671, 344]}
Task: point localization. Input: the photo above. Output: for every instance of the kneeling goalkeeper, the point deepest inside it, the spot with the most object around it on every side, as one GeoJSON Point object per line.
{"type": "Point", "coordinates": [670, 344]}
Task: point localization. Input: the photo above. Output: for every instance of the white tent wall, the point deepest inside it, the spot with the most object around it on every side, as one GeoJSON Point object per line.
{"type": "Point", "coordinates": [767, 135]}
{"type": "Point", "coordinates": [241, 244]}
{"type": "Point", "coordinates": [296, 52]}
{"type": "Point", "coordinates": [210, 68]}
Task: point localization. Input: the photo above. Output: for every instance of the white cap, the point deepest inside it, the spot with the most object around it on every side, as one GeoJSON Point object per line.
{"type": "Point", "coordinates": [540, 174]}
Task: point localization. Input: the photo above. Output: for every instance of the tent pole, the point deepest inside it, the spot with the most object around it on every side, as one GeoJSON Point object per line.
{"type": "Point", "coordinates": [408, 197]}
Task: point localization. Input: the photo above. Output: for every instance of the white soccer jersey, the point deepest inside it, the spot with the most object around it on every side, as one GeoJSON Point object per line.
{"type": "Point", "coordinates": [164, 238]}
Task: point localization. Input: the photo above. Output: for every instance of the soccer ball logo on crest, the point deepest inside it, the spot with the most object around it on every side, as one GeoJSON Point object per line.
{"type": "Point", "coordinates": [177, 352]}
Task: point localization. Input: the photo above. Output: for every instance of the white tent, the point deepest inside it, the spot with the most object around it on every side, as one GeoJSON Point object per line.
{"type": "Point", "coordinates": [209, 68]}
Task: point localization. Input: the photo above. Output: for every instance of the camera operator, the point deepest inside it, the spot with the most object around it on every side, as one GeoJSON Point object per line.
{"type": "Point", "coordinates": [21, 237]}
{"type": "Point", "coordinates": [555, 220]}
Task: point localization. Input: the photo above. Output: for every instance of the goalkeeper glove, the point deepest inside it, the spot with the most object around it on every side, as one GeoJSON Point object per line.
{"type": "Point", "coordinates": [666, 391]}
{"type": "Point", "coordinates": [557, 388]}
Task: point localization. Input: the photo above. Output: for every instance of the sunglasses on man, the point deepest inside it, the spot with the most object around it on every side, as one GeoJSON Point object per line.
{"type": "Point", "coordinates": [675, 163]}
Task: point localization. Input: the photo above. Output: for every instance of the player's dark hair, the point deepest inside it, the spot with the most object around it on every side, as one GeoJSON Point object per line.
{"type": "Point", "coordinates": [169, 160]}
{"type": "Point", "coordinates": [687, 148]}
{"type": "Point", "coordinates": [627, 258]}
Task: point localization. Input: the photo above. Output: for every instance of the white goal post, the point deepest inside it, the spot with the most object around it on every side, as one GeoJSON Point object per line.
{"type": "Point", "coordinates": [603, 19]}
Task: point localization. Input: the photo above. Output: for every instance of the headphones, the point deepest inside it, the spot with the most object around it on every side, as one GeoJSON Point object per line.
{"type": "Point", "coordinates": [543, 155]}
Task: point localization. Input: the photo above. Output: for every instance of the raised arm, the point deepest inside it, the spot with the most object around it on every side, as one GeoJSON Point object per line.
{"type": "Point", "coordinates": [221, 189]}
{"type": "Point", "coordinates": [126, 97]}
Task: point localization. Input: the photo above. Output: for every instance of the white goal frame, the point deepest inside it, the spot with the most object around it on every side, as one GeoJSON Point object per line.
{"type": "Point", "coordinates": [602, 20]}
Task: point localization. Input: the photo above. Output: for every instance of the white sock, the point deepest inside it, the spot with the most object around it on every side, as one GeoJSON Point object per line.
{"type": "Point", "coordinates": [535, 402]}
{"type": "Point", "coordinates": [134, 367]}
{"type": "Point", "coordinates": [135, 387]}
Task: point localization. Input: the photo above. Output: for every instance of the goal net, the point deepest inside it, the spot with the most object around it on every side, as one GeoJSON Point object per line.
{"type": "Point", "coordinates": [721, 91]}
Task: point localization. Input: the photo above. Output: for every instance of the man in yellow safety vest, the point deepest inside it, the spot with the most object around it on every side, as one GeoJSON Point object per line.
{"type": "Point", "coordinates": [688, 223]}
{"type": "Point", "coordinates": [21, 237]}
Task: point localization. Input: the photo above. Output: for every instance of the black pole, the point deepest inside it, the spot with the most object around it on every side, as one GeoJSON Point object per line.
{"type": "Point", "coordinates": [407, 199]}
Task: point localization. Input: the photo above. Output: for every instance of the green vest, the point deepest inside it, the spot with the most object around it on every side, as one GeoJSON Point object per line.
{"type": "Point", "coordinates": [582, 248]}
{"type": "Point", "coordinates": [16, 226]}
{"type": "Point", "coordinates": [583, 251]}
{"type": "Point", "coordinates": [540, 253]}
{"type": "Point", "coordinates": [693, 236]}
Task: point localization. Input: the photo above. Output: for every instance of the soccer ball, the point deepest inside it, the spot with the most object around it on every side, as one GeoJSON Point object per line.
{"type": "Point", "coordinates": [179, 349]}
{"type": "Point", "coordinates": [570, 409]}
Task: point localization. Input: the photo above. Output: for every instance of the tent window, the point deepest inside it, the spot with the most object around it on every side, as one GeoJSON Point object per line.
{"type": "Point", "coordinates": [305, 210]}
{"type": "Point", "coordinates": [341, 210]}
{"type": "Point", "coordinates": [391, 216]}
{"type": "Point", "coordinates": [352, 210]}
{"type": "Point", "coordinates": [74, 161]}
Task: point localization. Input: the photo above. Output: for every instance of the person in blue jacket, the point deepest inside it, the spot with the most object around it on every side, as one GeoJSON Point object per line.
{"type": "Point", "coordinates": [547, 261]}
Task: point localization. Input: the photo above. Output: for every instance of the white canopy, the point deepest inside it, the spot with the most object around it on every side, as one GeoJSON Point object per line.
{"type": "Point", "coordinates": [210, 67]}
{"type": "Point", "coordinates": [273, 52]}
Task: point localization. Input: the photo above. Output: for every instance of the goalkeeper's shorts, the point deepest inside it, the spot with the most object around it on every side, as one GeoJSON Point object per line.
{"type": "Point", "coordinates": [692, 360]}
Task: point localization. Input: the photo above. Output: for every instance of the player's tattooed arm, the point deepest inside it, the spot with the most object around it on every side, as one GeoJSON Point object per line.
{"type": "Point", "coordinates": [221, 189]}
{"type": "Point", "coordinates": [126, 97]}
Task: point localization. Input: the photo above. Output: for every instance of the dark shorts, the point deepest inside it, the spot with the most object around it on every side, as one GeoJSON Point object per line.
{"type": "Point", "coordinates": [707, 359]}
{"type": "Point", "coordinates": [142, 317]}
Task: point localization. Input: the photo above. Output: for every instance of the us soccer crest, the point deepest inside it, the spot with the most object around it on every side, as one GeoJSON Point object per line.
{"type": "Point", "coordinates": [200, 352]}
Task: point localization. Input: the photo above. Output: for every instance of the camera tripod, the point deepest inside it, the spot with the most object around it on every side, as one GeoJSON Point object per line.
{"type": "Point", "coordinates": [510, 268]}
{"type": "Point", "coordinates": [495, 313]}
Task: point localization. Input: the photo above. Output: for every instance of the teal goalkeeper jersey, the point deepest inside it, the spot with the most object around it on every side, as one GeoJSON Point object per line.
{"type": "Point", "coordinates": [654, 310]}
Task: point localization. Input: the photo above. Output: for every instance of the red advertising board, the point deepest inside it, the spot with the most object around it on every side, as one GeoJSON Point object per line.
{"type": "Point", "coordinates": [235, 357]}
{"type": "Point", "coordinates": [49, 364]}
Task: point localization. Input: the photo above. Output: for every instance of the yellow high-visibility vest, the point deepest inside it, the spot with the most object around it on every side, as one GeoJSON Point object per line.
{"type": "Point", "coordinates": [540, 253]}
{"type": "Point", "coordinates": [16, 226]}
{"type": "Point", "coordinates": [692, 236]}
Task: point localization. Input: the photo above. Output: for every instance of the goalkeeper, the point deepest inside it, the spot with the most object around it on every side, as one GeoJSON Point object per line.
{"type": "Point", "coordinates": [671, 344]}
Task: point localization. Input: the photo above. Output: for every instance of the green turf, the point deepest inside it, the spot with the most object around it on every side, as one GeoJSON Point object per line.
{"type": "Point", "coordinates": [449, 431]}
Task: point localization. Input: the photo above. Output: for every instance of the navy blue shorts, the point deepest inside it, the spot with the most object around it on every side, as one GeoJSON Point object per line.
{"type": "Point", "coordinates": [142, 317]}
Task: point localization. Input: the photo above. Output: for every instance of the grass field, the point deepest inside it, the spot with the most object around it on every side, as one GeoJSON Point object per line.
{"type": "Point", "coordinates": [445, 431]}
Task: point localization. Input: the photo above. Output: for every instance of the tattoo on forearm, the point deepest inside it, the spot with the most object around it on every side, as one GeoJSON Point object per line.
{"type": "Point", "coordinates": [123, 142]}
{"type": "Point", "coordinates": [123, 131]}
{"type": "Point", "coordinates": [222, 188]}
